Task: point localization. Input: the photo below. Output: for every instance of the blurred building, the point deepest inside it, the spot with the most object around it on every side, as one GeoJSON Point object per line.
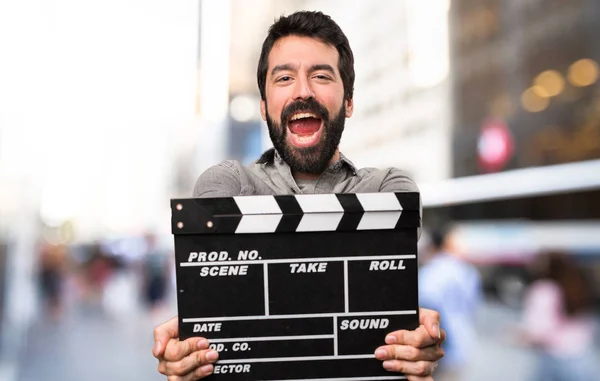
{"type": "Point", "coordinates": [526, 134]}
{"type": "Point", "coordinates": [526, 89]}
{"type": "Point", "coordinates": [526, 95]}
{"type": "Point", "coordinates": [93, 99]}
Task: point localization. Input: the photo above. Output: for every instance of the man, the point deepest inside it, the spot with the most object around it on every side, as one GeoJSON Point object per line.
{"type": "Point", "coordinates": [306, 78]}
{"type": "Point", "coordinates": [452, 286]}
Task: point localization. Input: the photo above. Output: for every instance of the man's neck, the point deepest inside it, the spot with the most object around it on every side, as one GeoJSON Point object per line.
{"type": "Point", "coordinates": [316, 176]}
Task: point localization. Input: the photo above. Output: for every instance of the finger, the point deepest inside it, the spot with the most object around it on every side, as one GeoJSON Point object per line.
{"type": "Point", "coordinates": [196, 363]}
{"type": "Point", "coordinates": [203, 371]}
{"type": "Point", "coordinates": [418, 338]}
{"type": "Point", "coordinates": [163, 333]}
{"type": "Point", "coordinates": [410, 368]}
{"type": "Point", "coordinates": [442, 336]}
{"type": "Point", "coordinates": [430, 319]}
{"type": "Point", "coordinates": [409, 353]}
{"type": "Point", "coordinates": [176, 350]}
{"type": "Point", "coordinates": [423, 378]}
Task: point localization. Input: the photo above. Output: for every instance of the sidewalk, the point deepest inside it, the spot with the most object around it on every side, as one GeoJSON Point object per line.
{"type": "Point", "coordinates": [92, 343]}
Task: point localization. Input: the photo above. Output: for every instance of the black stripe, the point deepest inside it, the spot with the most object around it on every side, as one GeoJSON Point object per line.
{"type": "Point", "coordinates": [292, 213]}
{"type": "Point", "coordinates": [409, 219]}
{"type": "Point", "coordinates": [350, 203]}
{"type": "Point", "coordinates": [409, 200]}
{"type": "Point", "coordinates": [220, 206]}
{"type": "Point", "coordinates": [353, 211]}
{"type": "Point", "coordinates": [226, 224]}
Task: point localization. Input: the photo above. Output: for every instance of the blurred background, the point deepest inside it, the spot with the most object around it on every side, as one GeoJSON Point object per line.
{"type": "Point", "coordinates": [109, 109]}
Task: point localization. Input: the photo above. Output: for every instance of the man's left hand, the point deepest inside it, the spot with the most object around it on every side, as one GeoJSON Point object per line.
{"type": "Point", "coordinates": [414, 353]}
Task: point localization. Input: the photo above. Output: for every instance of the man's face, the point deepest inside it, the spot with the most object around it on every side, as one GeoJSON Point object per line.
{"type": "Point", "coordinates": [305, 107]}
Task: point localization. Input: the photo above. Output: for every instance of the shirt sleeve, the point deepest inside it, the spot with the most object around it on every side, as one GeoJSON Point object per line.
{"type": "Point", "coordinates": [221, 180]}
{"type": "Point", "coordinates": [429, 289]}
{"type": "Point", "coordinates": [398, 180]}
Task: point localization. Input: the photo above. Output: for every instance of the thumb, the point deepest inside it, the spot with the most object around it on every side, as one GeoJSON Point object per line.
{"type": "Point", "coordinates": [163, 333]}
{"type": "Point", "coordinates": [430, 319]}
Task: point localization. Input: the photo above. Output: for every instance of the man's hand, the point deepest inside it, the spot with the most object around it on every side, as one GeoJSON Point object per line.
{"type": "Point", "coordinates": [414, 353]}
{"type": "Point", "coordinates": [186, 360]}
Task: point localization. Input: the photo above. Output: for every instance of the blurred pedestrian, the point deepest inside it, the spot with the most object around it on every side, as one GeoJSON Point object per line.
{"type": "Point", "coordinates": [51, 276]}
{"type": "Point", "coordinates": [452, 286]}
{"type": "Point", "coordinates": [558, 320]}
{"type": "Point", "coordinates": [97, 272]}
{"type": "Point", "coordinates": [155, 274]}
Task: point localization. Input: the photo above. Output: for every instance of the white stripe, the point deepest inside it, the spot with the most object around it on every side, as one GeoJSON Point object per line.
{"type": "Point", "coordinates": [266, 277]}
{"type": "Point", "coordinates": [382, 202]}
{"type": "Point", "coordinates": [305, 358]}
{"type": "Point", "coordinates": [257, 204]}
{"type": "Point", "coordinates": [299, 316]}
{"type": "Point", "coordinates": [319, 203]}
{"type": "Point", "coordinates": [259, 223]}
{"type": "Point", "coordinates": [346, 292]}
{"type": "Point", "coordinates": [273, 338]}
{"type": "Point", "coordinates": [335, 336]}
{"type": "Point", "coordinates": [378, 220]}
{"type": "Point", "coordinates": [374, 378]}
{"type": "Point", "coordinates": [298, 260]}
{"type": "Point", "coordinates": [319, 222]}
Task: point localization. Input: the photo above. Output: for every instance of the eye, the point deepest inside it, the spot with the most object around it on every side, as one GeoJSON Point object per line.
{"type": "Point", "coordinates": [285, 78]}
{"type": "Point", "coordinates": [322, 77]}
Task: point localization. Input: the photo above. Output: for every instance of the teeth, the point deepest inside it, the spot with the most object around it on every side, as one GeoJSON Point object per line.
{"type": "Point", "coordinates": [305, 138]}
{"type": "Point", "coordinates": [303, 115]}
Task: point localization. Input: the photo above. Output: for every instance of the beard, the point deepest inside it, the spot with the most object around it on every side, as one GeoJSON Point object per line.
{"type": "Point", "coordinates": [315, 159]}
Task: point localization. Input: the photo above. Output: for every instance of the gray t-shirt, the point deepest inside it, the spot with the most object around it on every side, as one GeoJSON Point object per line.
{"type": "Point", "coordinates": [270, 175]}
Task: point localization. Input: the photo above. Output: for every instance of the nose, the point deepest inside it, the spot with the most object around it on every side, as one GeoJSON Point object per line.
{"type": "Point", "coordinates": [303, 89]}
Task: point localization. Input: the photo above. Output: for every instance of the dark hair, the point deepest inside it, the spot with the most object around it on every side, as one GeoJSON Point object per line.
{"type": "Point", "coordinates": [438, 235]}
{"type": "Point", "coordinates": [315, 25]}
{"type": "Point", "coordinates": [561, 268]}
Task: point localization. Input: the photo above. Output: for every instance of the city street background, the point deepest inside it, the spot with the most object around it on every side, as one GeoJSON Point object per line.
{"type": "Point", "coordinates": [110, 109]}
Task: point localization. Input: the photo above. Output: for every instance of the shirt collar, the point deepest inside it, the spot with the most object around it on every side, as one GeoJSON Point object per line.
{"type": "Point", "coordinates": [272, 156]}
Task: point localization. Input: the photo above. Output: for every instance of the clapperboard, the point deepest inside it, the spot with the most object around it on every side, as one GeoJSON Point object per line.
{"type": "Point", "coordinates": [297, 287]}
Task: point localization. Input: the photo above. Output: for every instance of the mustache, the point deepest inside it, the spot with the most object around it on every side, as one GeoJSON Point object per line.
{"type": "Point", "coordinates": [309, 105]}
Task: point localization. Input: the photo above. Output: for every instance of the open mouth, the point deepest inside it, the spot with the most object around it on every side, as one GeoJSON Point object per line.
{"type": "Point", "coordinates": [305, 129]}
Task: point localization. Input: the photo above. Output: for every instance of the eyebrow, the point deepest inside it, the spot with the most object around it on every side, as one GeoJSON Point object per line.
{"type": "Point", "coordinates": [324, 67]}
{"type": "Point", "coordinates": [313, 68]}
{"type": "Point", "coordinates": [283, 67]}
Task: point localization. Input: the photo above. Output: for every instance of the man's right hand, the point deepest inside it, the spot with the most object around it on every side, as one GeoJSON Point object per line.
{"type": "Point", "coordinates": [186, 360]}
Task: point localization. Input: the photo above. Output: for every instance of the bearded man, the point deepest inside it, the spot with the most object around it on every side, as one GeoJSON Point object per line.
{"type": "Point", "coordinates": [306, 81]}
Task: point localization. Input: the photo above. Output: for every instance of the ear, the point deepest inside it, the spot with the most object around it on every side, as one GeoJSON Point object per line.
{"type": "Point", "coordinates": [263, 110]}
{"type": "Point", "coordinates": [349, 107]}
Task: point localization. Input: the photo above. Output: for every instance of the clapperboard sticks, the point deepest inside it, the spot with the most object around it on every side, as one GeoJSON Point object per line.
{"type": "Point", "coordinates": [297, 287]}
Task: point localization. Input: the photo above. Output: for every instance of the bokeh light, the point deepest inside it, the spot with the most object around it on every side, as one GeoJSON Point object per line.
{"type": "Point", "coordinates": [535, 99]}
{"type": "Point", "coordinates": [583, 72]}
{"type": "Point", "coordinates": [551, 81]}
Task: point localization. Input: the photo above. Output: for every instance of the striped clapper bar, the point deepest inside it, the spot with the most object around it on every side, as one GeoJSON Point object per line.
{"type": "Point", "coordinates": [301, 287]}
